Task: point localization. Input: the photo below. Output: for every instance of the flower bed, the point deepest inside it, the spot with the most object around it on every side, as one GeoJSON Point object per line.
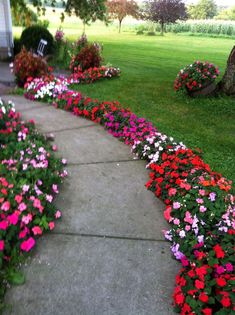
{"type": "Point", "coordinates": [199, 203]}
{"type": "Point", "coordinates": [29, 179]}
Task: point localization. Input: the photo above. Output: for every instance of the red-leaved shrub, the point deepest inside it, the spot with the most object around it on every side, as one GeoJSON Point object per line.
{"type": "Point", "coordinates": [88, 57]}
{"type": "Point", "coordinates": [27, 64]}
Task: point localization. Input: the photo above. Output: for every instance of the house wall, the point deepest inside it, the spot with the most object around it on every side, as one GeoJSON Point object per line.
{"type": "Point", "coordinates": [6, 40]}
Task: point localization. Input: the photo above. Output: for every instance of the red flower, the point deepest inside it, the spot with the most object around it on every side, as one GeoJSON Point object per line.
{"type": "Point", "coordinates": [207, 311]}
{"type": "Point", "coordinates": [199, 284]}
{"type": "Point", "coordinates": [179, 298]}
{"type": "Point", "coordinates": [226, 302]}
{"type": "Point", "coordinates": [218, 251]}
{"type": "Point", "coordinates": [221, 282]}
{"type": "Point", "coordinates": [203, 297]}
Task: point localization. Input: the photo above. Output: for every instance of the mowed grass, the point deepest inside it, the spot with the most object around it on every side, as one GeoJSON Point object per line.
{"type": "Point", "coordinates": [149, 65]}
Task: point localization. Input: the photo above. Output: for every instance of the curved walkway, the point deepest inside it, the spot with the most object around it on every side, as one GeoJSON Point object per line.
{"type": "Point", "coordinates": [107, 254]}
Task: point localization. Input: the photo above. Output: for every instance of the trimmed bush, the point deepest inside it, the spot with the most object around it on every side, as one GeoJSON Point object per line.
{"type": "Point", "coordinates": [17, 46]}
{"type": "Point", "coordinates": [32, 35]}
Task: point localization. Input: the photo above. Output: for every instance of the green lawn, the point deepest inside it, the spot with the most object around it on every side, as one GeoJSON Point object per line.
{"type": "Point", "coordinates": [149, 66]}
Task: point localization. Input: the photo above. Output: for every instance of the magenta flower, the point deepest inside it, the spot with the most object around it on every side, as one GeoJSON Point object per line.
{"type": "Point", "coordinates": [27, 245]}
{"type": "Point", "coordinates": [2, 245]}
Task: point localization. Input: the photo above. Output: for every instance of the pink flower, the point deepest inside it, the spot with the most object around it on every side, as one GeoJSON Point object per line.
{"type": "Point", "coordinates": [2, 245]}
{"type": "Point", "coordinates": [57, 214]}
{"type": "Point", "coordinates": [172, 191]}
{"type": "Point", "coordinates": [25, 188]}
{"type": "Point", "coordinates": [55, 188]}
{"type": "Point", "coordinates": [54, 147]}
{"type": "Point", "coordinates": [27, 245]}
{"type": "Point", "coordinates": [202, 209]}
{"type": "Point", "coordinates": [6, 206]}
{"type": "Point", "coordinates": [49, 198]}
{"type": "Point", "coordinates": [23, 233]}
{"type": "Point", "coordinates": [64, 161]}
{"type": "Point", "coordinates": [27, 218]}
{"type": "Point", "coordinates": [22, 206]}
{"type": "Point", "coordinates": [37, 230]}
{"type": "Point", "coordinates": [176, 205]}
{"type": "Point", "coordinates": [13, 218]}
{"type": "Point", "coordinates": [18, 198]}
{"type": "Point", "coordinates": [3, 225]}
{"type": "Point", "coordinates": [51, 225]}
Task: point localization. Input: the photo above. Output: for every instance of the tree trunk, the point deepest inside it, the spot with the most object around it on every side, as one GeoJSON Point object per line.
{"type": "Point", "coordinates": [120, 25]}
{"type": "Point", "coordinates": [84, 27]}
{"type": "Point", "coordinates": [162, 28]}
{"type": "Point", "coordinates": [227, 84]}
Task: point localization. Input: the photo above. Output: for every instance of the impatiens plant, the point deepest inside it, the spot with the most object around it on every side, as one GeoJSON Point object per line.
{"type": "Point", "coordinates": [200, 206]}
{"type": "Point", "coordinates": [195, 76]}
{"type": "Point", "coordinates": [88, 57]}
{"type": "Point", "coordinates": [26, 64]}
{"type": "Point", "coordinates": [29, 179]}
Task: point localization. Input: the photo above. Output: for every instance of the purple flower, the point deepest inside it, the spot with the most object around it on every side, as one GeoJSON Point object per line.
{"type": "Point", "coordinates": [212, 196]}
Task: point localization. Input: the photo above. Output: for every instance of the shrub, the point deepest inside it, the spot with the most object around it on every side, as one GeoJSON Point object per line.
{"type": "Point", "coordinates": [151, 33]}
{"type": "Point", "coordinates": [139, 32]}
{"type": "Point", "coordinates": [17, 46]}
{"type": "Point", "coordinates": [196, 75]}
{"type": "Point", "coordinates": [88, 57]}
{"type": "Point", "coordinates": [26, 65]}
{"type": "Point", "coordinates": [32, 35]}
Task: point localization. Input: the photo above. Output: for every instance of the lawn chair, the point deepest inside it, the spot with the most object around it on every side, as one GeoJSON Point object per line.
{"type": "Point", "coordinates": [41, 47]}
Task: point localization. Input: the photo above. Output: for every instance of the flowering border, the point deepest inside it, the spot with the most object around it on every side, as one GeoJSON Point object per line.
{"type": "Point", "coordinates": [199, 203]}
{"type": "Point", "coordinates": [29, 179]}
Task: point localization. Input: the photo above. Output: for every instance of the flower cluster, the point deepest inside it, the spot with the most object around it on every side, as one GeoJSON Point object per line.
{"type": "Point", "coordinates": [29, 179]}
{"type": "Point", "coordinates": [59, 35]}
{"type": "Point", "coordinates": [49, 87]}
{"type": "Point", "coordinates": [195, 76]}
{"type": "Point", "coordinates": [199, 204]}
{"type": "Point", "coordinates": [26, 64]}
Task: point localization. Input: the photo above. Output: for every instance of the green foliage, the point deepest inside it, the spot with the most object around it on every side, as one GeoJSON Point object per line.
{"type": "Point", "coordinates": [24, 17]}
{"type": "Point", "coordinates": [199, 27]}
{"type": "Point", "coordinates": [87, 11]}
{"type": "Point", "coordinates": [204, 9]}
{"type": "Point", "coordinates": [32, 35]}
{"type": "Point", "coordinates": [228, 14]}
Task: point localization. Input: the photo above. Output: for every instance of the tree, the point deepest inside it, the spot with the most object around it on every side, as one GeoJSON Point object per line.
{"type": "Point", "coordinates": [86, 10]}
{"type": "Point", "coordinates": [119, 9]}
{"type": "Point", "coordinates": [165, 11]}
{"type": "Point", "coordinates": [227, 84]}
{"type": "Point", "coordinates": [227, 14]}
{"type": "Point", "coordinates": [204, 9]}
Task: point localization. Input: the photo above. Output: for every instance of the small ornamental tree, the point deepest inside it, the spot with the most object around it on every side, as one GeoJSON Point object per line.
{"type": "Point", "coordinates": [119, 9]}
{"type": "Point", "coordinates": [87, 11]}
{"type": "Point", "coordinates": [165, 11]}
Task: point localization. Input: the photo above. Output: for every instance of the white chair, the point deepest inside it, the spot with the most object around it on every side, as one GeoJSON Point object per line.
{"type": "Point", "coordinates": [41, 46]}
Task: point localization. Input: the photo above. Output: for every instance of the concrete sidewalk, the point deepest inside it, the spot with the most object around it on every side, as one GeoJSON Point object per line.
{"type": "Point", "coordinates": [107, 255]}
